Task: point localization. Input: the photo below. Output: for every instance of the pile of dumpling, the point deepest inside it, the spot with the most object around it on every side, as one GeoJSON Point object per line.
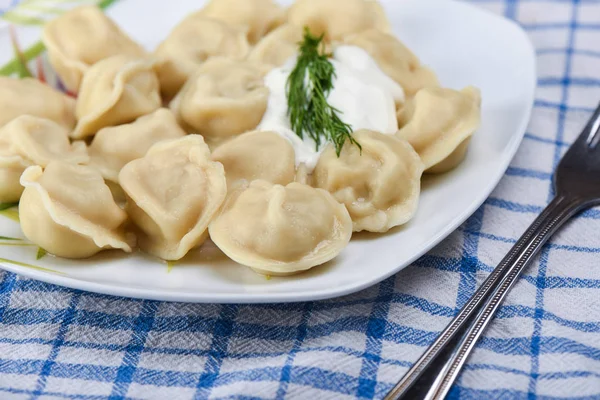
{"type": "Point", "coordinates": [159, 150]}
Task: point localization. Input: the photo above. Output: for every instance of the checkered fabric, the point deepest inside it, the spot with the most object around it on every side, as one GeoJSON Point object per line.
{"type": "Point", "coordinates": [57, 343]}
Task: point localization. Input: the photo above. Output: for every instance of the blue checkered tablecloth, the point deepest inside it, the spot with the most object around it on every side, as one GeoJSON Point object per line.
{"type": "Point", "coordinates": [57, 343]}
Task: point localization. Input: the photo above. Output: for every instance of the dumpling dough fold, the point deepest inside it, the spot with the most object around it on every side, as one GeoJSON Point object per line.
{"type": "Point", "coordinates": [191, 43]}
{"type": "Point", "coordinates": [114, 147]}
{"type": "Point", "coordinates": [337, 18]}
{"type": "Point", "coordinates": [278, 46]}
{"type": "Point", "coordinates": [395, 59]}
{"type": "Point", "coordinates": [256, 17]}
{"type": "Point", "coordinates": [380, 184]}
{"type": "Point", "coordinates": [68, 211]}
{"type": "Point", "coordinates": [172, 194]}
{"type": "Point", "coordinates": [439, 124]}
{"type": "Point", "coordinates": [257, 155]}
{"type": "Point", "coordinates": [80, 38]}
{"type": "Point", "coordinates": [115, 91]}
{"type": "Point", "coordinates": [29, 96]}
{"type": "Point", "coordinates": [223, 99]}
{"type": "Point", "coordinates": [281, 230]}
{"type": "Point", "coordinates": [27, 141]}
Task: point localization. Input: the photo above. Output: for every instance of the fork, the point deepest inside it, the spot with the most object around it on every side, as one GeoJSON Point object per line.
{"type": "Point", "coordinates": [577, 187]}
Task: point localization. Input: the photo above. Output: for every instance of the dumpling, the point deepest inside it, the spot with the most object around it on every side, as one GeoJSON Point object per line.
{"type": "Point", "coordinates": [67, 210]}
{"type": "Point", "coordinates": [172, 194]}
{"type": "Point", "coordinates": [113, 147]}
{"type": "Point", "coordinates": [190, 44]}
{"type": "Point", "coordinates": [80, 38]}
{"type": "Point", "coordinates": [278, 46]}
{"type": "Point", "coordinates": [281, 230]}
{"type": "Point", "coordinates": [31, 97]}
{"type": "Point", "coordinates": [29, 140]}
{"type": "Point", "coordinates": [257, 155]}
{"type": "Point", "coordinates": [115, 91]}
{"type": "Point", "coordinates": [257, 17]}
{"type": "Point", "coordinates": [439, 124]}
{"type": "Point", "coordinates": [395, 59]}
{"type": "Point", "coordinates": [379, 185]}
{"type": "Point", "coordinates": [337, 18]}
{"type": "Point", "coordinates": [222, 99]}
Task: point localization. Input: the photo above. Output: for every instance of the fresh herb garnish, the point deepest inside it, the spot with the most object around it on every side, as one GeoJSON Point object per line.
{"type": "Point", "coordinates": [41, 253]}
{"type": "Point", "coordinates": [307, 88]}
{"type": "Point", "coordinates": [6, 206]}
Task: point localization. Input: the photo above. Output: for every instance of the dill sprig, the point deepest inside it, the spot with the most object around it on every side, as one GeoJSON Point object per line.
{"type": "Point", "coordinates": [307, 88]}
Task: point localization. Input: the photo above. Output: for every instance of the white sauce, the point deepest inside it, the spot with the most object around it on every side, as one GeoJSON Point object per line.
{"type": "Point", "coordinates": [362, 92]}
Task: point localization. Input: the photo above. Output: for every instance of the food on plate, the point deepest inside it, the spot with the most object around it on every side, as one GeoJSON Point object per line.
{"type": "Point", "coordinates": [286, 131]}
{"type": "Point", "coordinates": [115, 146]}
{"type": "Point", "coordinates": [80, 38]}
{"type": "Point", "coordinates": [28, 140]}
{"type": "Point", "coordinates": [29, 96]}
{"type": "Point", "coordinates": [195, 40]}
{"type": "Point", "coordinates": [338, 18]}
{"type": "Point", "coordinates": [395, 59]}
{"type": "Point", "coordinates": [255, 17]}
{"type": "Point", "coordinates": [281, 230]}
{"type": "Point", "coordinates": [67, 210]}
{"type": "Point", "coordinates": [224, 98]}
{"type": "Point", "coordinates": [278, 46]}
{"type": "Point", "coordinates": [172, 194]}
{"type": "Point", "coordinates": [257, 155]}
{"type": "Point", "coordinates": [379, 183]}
{"type": "Point", "coordinates": [114, 91]}
{"type": "Point", "coordinates": [442, 140]}
{"type": "Point", "coordinates": [309, 96]}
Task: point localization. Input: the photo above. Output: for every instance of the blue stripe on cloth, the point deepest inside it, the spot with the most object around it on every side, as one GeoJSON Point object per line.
{"type": "Point", "coordinates": [469, 262]}
{"type": "Point", "coordinates": [141, 328]}
{"type": "Point", "coordinates": [589, 53]}
{"type": "Point", "coordinates": [223, 329]}
{"type": "Point", "coordinates": [376, 329]}
{"type": "Point", "coordinates": [286, 371]}
{"type": "Point", "coordinates": [6, 287]}
{"type": "Point", "coordinates": [537, 324]}
{"type": "Point", "coordinates": [67, 319]}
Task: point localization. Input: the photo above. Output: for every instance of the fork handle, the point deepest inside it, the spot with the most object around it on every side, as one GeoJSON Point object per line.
{"type": "Point", "coordinates": [434, 373]}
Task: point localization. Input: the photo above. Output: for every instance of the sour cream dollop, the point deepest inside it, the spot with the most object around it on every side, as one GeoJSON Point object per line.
{"type": "Point", "coordinates": [364, 95]}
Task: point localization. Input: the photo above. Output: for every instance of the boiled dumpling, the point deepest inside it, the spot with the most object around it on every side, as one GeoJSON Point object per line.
{"type": "Point", "coordinates": [395, 59]}
{"type": "Point", "coordinates": [113, 147]}
{"type": "Point", "coordinates": [172, 194]}
{"type": "Point", "coordinates": [379, 185]}
{"type": "Point", "coordinates": [67, 210]}
{"type": "Point", "coordinates": [80, 38]}
{"type": "Point", "coordinates": [29, 140]}
{"type": "Point", "coordinates": [222, 99]}
{"type": "Point", "coordinates": [31, 97]}
{"type": "Point", "coordinates": [278, 46]}
{"type": "Point", "coordinates": [281, 230]}
{"type": "Point", "coordinates": [439, 123]}
{"type": "Point", "coordinates": [257, 17]}
{"type": "Point", "coordinates": [257, 155]}
{"type": "Point", "coordinates": [337, 18]}
{"type": "Point", "coordinates": [115, 91]}
{"type": "Point", "coordinates": [190, 44]}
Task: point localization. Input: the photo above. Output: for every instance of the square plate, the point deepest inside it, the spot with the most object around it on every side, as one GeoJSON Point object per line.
{"type": "Point", "coordinates": [463, 44]}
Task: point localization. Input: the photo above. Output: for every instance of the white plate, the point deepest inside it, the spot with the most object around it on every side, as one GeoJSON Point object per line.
{"type": "Point", "coordinates": [463, 44]}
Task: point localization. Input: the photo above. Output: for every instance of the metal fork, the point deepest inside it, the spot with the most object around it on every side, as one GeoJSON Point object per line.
{"type": "Point", "coordinates": [577, 187]}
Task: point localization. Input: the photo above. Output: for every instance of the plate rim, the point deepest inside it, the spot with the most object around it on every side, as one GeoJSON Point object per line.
{"type": "Point", "coordinates": [115, 289]}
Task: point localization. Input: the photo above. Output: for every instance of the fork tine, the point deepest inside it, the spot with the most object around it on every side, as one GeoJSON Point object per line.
{"type": "Point", "coordinates": [590, 136]}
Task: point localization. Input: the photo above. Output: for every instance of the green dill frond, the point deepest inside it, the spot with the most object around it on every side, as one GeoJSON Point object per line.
{"type": "Point", "coordinates": [308, 85]}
